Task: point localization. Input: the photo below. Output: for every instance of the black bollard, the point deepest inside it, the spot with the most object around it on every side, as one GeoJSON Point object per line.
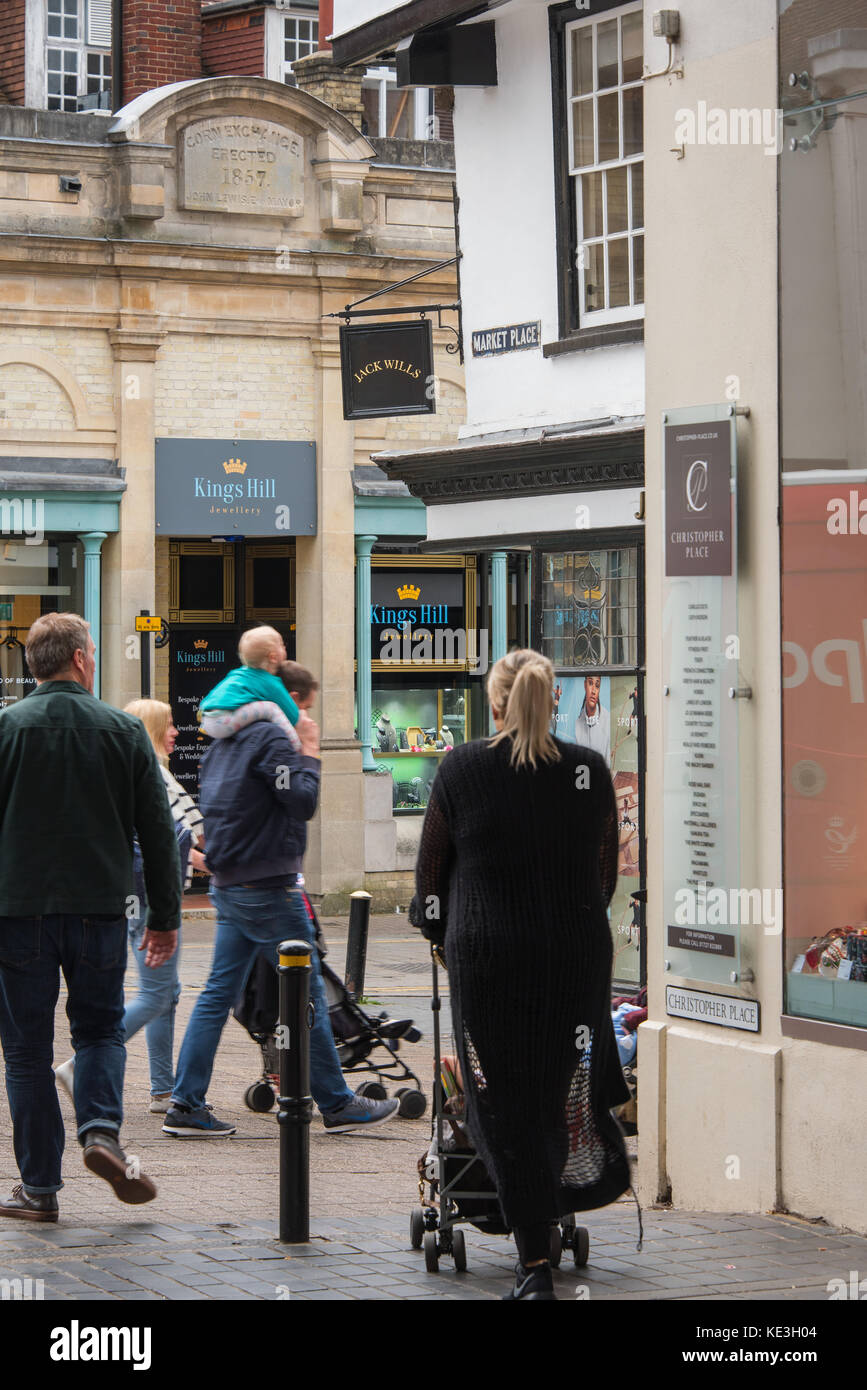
{"type": "Point", "coordinates": [356, 944]}
{"type": "Point", "coordinates": [295, 1104]}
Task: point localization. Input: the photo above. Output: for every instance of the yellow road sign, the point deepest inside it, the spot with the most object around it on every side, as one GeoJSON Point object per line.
{"type": "Point", "coordinates": [148, 624]}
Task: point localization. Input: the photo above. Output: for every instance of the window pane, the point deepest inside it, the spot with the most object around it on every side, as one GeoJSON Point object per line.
{"type": "Point", "coordinates": [606, 54]}
{"type": "Point", "coordinates": [609, 128]}
{"type": "Point", "coordinates": [582, 133]}
{"type": "Point", "coordinates": [54, 83]}
{"type": "Point", "coordinates": [582, 60]}
{"type": "Point", "coordinates": [591, 188]}
{"type": "Point", "coordinates": [594, 277]}
{"type": "Point", "coordinates": [370, 106]}
{"type": "Point", "coordinates": [54, 25]}
{"type": "Point", "coordinates": [633, 120]}
{"type": "Point", "coordinates": [632, 46]}
{"type": "Point", "coordinates": [618, 273]}
{"type": "Point", "coordinates": [398, 110]}
{"type": "Point", "coordinates": [70, 60]}
{"type": "Point", "coordinates": [617, 210]}
{"type": "Point", "coordinates": [200, 582]}
{"type": "Point", "coordinates": [638, 268]}
{"type": "Point", "coordinates": [637, 195]}
{"type": "Point", "coordinates": [70, 27]}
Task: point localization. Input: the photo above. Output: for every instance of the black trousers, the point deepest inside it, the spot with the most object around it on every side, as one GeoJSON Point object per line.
{"type": "Point", "coordinates": [533, 1242]}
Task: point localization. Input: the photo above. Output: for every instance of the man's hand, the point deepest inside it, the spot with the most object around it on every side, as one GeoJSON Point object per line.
{"type": "Point", "coordinates": [197, 859]}
{"type": "Point", "coordinates": [308, 732]}
{"type": "Point", "coordinates": [160, 946]}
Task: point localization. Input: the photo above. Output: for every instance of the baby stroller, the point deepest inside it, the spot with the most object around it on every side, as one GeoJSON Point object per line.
{"type": "Point", "coordinates": [459, 1187]}
{"type": "Point", "coordinates": [356, 1035]}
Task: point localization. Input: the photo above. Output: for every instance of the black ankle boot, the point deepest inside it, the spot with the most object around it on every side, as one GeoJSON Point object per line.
{"type": "Point", "coordinates": [535, 1283]}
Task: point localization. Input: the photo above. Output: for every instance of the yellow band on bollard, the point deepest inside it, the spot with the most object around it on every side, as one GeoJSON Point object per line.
{"type": "Point", "coordinates": [295, 960]}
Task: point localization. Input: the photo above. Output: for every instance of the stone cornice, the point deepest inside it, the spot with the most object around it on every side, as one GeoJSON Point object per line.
{"type": "Point", "coordinates": [136, 344]}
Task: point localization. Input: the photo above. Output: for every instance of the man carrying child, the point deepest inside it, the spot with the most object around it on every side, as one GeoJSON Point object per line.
{"type": "Point", "coordinates": [259, 785]}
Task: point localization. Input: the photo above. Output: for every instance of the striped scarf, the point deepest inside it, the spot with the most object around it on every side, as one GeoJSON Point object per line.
{"type": "Point", "coordinates": [185, 810]}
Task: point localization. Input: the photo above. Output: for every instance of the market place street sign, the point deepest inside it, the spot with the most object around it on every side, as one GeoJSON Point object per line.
{"type": "Point", "coordinates": [513, 337]}
{"type": "Point", "coordinates": [387, 369]}
{"type": "Point", "coordinates": [235, 487]}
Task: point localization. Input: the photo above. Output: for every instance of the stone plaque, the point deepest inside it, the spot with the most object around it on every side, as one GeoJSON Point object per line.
{"type": "Point", "coordinates": [242, 164]}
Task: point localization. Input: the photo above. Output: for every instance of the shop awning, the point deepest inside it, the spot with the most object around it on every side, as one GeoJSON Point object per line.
{"type": "Point", "coordinates": [52, 475]}
{"type": "Point", "coordinates": [600, 454]}
{"type": "Point", "coordinates": [382, 34]}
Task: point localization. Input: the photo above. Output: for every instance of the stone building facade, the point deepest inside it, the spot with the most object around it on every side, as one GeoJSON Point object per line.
{"type": "Point", "coordinates": [139, 317]}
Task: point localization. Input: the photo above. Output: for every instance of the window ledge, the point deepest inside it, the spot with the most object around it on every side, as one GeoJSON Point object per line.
{"type": "Point", "coordinates": [816, 1030]}
{"type": "Point", "coordinates": [613, 335]}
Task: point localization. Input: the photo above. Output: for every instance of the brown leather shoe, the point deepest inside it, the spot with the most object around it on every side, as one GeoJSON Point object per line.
{"type": "Point", "coordinates": [104, 1156]}
{"type": "Point", "coordinates": [40, 1207]}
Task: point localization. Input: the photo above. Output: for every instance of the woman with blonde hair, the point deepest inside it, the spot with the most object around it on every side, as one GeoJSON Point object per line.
{"type": "Point", "coordinates": [154, 1006]}
{"type": "Point", "coordinates": [516, 867]}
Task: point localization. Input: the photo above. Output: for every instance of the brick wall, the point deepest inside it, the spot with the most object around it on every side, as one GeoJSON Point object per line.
{"type": "Point", "coordinates": [12, 51]}
{"type": "Point", "coordinates": [162, 43]}
{"type": "Point", "coordinates": [234, 44]}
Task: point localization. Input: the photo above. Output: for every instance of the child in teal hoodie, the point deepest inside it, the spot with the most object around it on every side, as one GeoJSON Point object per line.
{"type": "Point", "coordinates": [250, 692]}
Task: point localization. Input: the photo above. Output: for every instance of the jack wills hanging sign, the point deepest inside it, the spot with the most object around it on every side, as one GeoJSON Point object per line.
{"type": "Point", "coordinates": [387, 369]}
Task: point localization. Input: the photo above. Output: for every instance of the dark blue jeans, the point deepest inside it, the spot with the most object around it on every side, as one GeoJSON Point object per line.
{"type": "Point", "coordinates": [91, 952]}
{"type": "Point", "coordinates": [248, 919]}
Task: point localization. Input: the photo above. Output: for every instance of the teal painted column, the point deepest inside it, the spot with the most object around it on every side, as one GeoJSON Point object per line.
{"type": "Point", "coordinates": [363, 677]}
{"type": "Point", "coordinates": [499, 604]}
{"type": "Point", "coordinates": [92, 542]}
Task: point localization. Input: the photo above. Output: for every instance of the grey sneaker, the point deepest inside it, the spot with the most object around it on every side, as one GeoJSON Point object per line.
{"type": "Point", "coordinates": [360, 1113]}
{"type": "Point", "coordinates": [196, 1124]}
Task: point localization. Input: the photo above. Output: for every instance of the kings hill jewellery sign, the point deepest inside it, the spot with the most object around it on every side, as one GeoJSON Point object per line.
{"type": "Point", "coordinates": [387, 369]}
{"type": "Point", "coordinates": [243, 487]}
{"type": "Point", "coordinates": [239, 164]}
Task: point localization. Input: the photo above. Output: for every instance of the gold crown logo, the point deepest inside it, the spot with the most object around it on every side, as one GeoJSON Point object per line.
{"type": "Point", "coordinates": [408, 591]}
{"type": "Point", "coordinates": [201, 644]}
{"type": "Point", "coordinates": [235, 465]}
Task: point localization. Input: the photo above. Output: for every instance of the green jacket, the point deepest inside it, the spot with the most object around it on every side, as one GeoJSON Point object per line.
{"type": "Point", "coordinates": [77, 778]}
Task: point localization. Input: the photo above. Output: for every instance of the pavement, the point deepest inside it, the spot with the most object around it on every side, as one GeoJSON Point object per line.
{"type": "Point", "coordinates": [211, 1232]}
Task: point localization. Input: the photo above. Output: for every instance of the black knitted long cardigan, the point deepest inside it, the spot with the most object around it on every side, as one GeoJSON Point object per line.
{"type": "Point", "coordinates": [520, 866]}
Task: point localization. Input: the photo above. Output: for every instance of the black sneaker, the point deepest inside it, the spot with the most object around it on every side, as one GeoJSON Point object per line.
{"type": "Point", "coordinates": [196, 1124]}
{"type": "Point", "coordinates": [535, 1283]}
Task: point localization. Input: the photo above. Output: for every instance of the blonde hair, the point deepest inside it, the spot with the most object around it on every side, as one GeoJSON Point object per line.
{"type": "Point", "coordinates": [156, 718]}
{"type": "Point", "coordinates": [521, 689]}
{"type": "Point", "coordinates": [256, 644]}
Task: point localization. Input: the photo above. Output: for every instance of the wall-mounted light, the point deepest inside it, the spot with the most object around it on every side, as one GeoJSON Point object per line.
{"type": "Point", "coordinates": [70, 183]}
{"type": "Point", "coordinates": [666, 25]}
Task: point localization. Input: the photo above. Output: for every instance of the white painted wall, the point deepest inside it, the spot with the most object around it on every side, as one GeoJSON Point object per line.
{"type": "Point", "coordinates": [349, 14]}
{"type": "Point", "coordinates": [504, 152]}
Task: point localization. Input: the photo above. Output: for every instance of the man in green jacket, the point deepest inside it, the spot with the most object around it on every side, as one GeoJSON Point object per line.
{"type": "Point", "coordinates": [77, 780]}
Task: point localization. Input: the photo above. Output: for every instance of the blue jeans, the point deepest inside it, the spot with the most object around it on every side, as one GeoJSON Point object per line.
{"type": "Point", "coordinates": [154, 1009]}
{"type": "Point", "coordinates": [248, 919]}
{"type": "Point", "coordinates": [91, 952]}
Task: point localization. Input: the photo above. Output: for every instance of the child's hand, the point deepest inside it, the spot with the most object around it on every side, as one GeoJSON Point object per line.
{"type": "Point", "coordinates": [308, 732]}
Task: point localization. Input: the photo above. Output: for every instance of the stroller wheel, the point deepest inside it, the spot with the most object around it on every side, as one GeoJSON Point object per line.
{"type": "Point", "coordinates": [413, 1103]}
{"type": "Point", "coordinates": [556, 1247]}
{"type": "Point", "coordinates": [581, 1246]}
{"type": "Point", "coordinates": [259, 1097]}
{"type": "Point", "coordinates": [416, 1227]}
{"type": "Point", "coordinates": [431, 1252]}
{"type": "Point", "coordinates": [371, 1090]}
{"type": "Point", "coordinates": [459, 1251]}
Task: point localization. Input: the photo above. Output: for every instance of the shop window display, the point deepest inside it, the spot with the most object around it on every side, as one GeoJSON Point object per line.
{"type": "Point", "coordinates": [34, 579]}
{"type": "Point", "coordinates": [413, 729]}
{"type": "Point", "coordinates": [823, 331]}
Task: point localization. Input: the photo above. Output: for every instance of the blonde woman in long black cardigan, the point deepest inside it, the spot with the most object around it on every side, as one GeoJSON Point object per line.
{"type": "Point", "coordinates": [518, 856]}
